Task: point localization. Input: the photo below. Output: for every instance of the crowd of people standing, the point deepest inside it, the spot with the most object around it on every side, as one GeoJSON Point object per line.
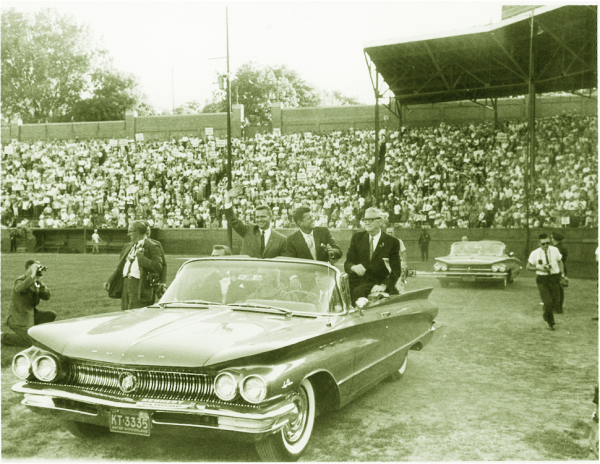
{"type": "Point", "coordinates": [443, 176]}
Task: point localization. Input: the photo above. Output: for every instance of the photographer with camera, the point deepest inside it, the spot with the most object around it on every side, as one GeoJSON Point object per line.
{"type": "Point", "coordinates": [547, 263]}
{"type": "Point", "coordinates": [27, 292]}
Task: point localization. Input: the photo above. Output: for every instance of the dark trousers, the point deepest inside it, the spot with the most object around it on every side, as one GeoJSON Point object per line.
{"type": "Point", "coordinates": [549, 288]}
{"type": "Point", "coordinates": [424, 253]}
{"type": "Point", "coordinates": [361, 288]}
{"type": "Point", "coordinates": [561, 298]}
{"type": "Point", "coordinates": [130, 298]}
{"type": "Point", "coordinates": [20, 336]}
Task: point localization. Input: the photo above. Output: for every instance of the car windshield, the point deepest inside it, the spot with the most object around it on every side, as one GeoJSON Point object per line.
{"type": "Point", "coordinates": [477, 248]}
{"type": "Point", "coordinates": [302, 287]}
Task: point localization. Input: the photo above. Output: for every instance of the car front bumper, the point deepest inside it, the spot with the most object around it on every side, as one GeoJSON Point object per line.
{"type": "Point", "coordinates": [252, 425]}
{"type": "Point", "coordinates": [470, 276]}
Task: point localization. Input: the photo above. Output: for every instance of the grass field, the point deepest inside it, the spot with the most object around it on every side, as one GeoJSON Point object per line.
{"type": "Point", "coordinates": [494, 384]}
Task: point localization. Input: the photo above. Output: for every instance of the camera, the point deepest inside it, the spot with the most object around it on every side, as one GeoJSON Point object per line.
{"type": "Point", "coordinates": [41, 270]}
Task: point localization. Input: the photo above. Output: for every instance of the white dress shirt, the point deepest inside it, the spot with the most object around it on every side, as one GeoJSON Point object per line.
{"type": "Point", "coordinates": [132, 267]}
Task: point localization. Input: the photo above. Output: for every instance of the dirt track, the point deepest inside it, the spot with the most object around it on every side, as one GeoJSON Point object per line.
{"type": "Point", "coordinates": [494, 384]}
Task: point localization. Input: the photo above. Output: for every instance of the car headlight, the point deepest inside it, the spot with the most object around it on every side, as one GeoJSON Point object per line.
{"type": "Point", "coordinates": [226, 386]}
{"type": "Point", "coordinates": [45, 368]}
{"type": "Point", "coordinates": [254, 389]}
{"type": "Point", "coordinates": [498, 267]}
{"type": "Point", "coordinates": [21, 366]}
{"type": "Point", "coordinates": [440, 266]}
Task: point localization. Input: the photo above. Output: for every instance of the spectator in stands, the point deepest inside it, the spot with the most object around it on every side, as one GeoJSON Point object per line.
{"type": "Point", "coordinates": [454, 171]}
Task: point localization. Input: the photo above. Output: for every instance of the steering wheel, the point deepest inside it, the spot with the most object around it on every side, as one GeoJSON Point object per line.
{"type": "Point", "coordinates": [302, 296]}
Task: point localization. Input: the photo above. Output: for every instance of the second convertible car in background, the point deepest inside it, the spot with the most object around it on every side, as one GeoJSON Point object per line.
{"type": "Point", "coordinates": [485, 260]}
{"type": "Point", "coordinates": [254, 349]}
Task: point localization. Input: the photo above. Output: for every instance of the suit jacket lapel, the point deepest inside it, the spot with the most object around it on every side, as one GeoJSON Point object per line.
{"type": "Point", "coordinates": [269, 242]}
{"type": "Point", "coordinates": [305, 245]}
{"type": "Point", "coordinates": [367, 245]}
{"type": "Point", "coordinates": [255, 244]}
{"type": "Point", "coordinates": [380, 246]}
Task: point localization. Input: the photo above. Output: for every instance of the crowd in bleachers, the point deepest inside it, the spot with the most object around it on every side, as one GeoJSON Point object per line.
{"type": "Point", "coordinates": [443, 176]}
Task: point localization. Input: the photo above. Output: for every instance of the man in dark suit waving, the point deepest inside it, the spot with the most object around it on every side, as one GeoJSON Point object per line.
{"type": "Point", "coordinates": [258, 240]}
{"type": "Point", "coordinates": [373, 259]}
{"type": "Point", "coordinates": [311, 242]}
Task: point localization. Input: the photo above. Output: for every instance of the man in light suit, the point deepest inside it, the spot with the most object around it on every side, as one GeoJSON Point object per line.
{"type": "Point", "coordinates": [373, 259]}
{"type": "Point", "coordinates": [311, 242]}
{"type": "Point", "coordinates": [258, 240]}
{"type": "Point", "coordinates": [140, 259]}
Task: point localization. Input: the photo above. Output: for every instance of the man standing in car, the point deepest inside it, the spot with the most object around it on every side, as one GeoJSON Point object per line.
{"type": "Point", "coordinates": [373, 259]}
{"type": "Point", "coordinates": [258, 240]}
{"type": "Point", "coordinates": [311, 242]}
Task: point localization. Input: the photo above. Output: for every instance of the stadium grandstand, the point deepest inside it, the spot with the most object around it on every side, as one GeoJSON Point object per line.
{"type": "Point", "coordinates": [445, 176]}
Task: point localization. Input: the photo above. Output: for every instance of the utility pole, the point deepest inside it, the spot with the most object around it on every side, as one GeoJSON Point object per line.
{"type": "Point", "coordinates": [173, 89]}
{"type": "Point", "coordinates": [375, 187]}
{"type": "Point", "coordinates": [229, 229]}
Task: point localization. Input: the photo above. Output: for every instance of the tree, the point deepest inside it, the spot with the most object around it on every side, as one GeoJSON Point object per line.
{"type": "Point", "coordinates": [255, 86]}
{"type": "Point", "coordinates": [114, 93]}
{"type": "Point", "coordinates": [193, 107]}
{"type": "Point", "coordinates": [46, 60]}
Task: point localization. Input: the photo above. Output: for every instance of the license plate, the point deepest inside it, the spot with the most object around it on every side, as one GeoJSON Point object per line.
{"type": "Point", "coordinates": [128, 421]}
{"type": "Point", "coordinates": [469, 278]}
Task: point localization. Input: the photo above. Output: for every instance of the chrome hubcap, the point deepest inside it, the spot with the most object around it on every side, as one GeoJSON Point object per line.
{"type": "Point", "coordinates": [295, 428]}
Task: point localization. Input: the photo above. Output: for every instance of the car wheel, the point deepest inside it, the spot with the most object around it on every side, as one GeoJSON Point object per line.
{"type": "Point", "coordinates": [84, 430]}
{"type": "Point", "coordinates": [444, 283]}
{"type": "Point", "coordinates": [289, 443]}
{"type": "Point", "coordinates": [400, 372]}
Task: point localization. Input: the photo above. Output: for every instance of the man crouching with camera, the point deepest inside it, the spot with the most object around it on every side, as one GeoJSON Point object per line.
{"type": "Point", "coordinates": [27, 292]}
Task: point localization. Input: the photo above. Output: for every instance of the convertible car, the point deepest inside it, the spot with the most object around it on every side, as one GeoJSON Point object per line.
{"type": "Point", "coordinates": [485, 260]}
{"type": "Point", "coordinates": [249, 348]}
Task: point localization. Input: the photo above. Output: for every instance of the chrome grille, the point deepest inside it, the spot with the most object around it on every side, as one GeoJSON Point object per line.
{"type": "Point", "coordinates": [470, 268]}
{"type": "Point", "coordinates": [153, 384]}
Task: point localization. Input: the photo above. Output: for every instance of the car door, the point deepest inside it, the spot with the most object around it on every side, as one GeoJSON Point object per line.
{"type": "Point", "coordinates": [405, 322]}
{"type": "Point", "coordinates": [366, 333]}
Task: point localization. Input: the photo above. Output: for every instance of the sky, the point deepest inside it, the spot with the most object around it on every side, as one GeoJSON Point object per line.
{"type": "Point", "coordinates": [176, 48]}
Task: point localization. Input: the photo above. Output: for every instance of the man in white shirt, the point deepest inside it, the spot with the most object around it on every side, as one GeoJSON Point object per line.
{"type": "Point", "coordinates": [131, 280]}
{"type": "Point", "coordinates": [95, 242]}
{"type": "Point", "coordinates": [547, 263]}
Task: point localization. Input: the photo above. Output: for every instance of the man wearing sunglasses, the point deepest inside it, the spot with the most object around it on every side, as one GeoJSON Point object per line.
{"type": "Point", "coordinates": [547, 263]}
{"type": "Point", "coordinates": [373, 259]}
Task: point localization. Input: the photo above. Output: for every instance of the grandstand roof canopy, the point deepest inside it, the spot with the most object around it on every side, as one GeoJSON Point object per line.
{"type": "Point", "coordinates": [493, 61]}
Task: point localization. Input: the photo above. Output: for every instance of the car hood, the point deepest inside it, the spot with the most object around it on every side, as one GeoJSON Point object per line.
{"type": "Point", "coordinates": [474, 259]}
{"type": "Point", "coordinates": [175, 337]}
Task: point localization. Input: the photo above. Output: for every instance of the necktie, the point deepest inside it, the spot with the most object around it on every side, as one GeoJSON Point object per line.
{"type": "Point", "coordinates": [311, 247]}
{"type": "Point", "coordinates": [131, 257]}
{"type": "Point", "coordinates": [370, 247]}
{"type": "Point", "coordinates": [262, 244]}
{"type": "Point", "coordinates": [547, 260]}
